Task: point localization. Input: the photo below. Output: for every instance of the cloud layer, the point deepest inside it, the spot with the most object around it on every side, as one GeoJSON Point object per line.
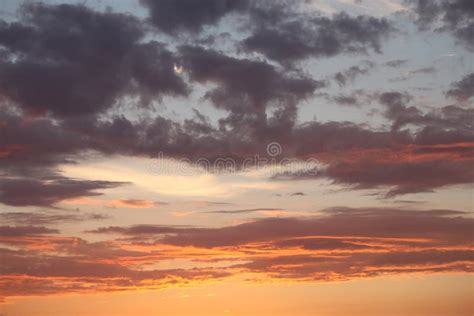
{"type": "Point", "coordinates": [337, 244]}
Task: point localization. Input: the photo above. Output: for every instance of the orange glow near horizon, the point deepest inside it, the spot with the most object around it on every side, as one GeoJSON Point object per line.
{"type": "Point", "coordinates": [390, 296]}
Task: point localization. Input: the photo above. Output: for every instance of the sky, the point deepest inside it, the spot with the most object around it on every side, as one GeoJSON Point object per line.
{"type": "Point", "coordinates": [237, 157]}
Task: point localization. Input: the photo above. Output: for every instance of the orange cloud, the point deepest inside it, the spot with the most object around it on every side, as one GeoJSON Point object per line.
{"type": "Point", "coordinates": [338, 244]}
{"type": "Point", "coordinates": [406, 153]}
{"type": "Point", "coordinates": [131, 203]}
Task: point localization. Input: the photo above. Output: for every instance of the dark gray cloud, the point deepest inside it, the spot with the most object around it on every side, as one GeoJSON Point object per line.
{"type": "Point", "coordinates": [396, 63]}
{"type": "Point", "coordinates": [437, 154]}
{"type": "Point", "coordinates": [454, 16]}
{"type": "Point", "coordinates": [451, 120]}
{"type": "Point", "coordinates": [251, 81]}
{"type": "Point", "coordinates": [349, 75]}
{"type": "Point", "coordinates": [395, 171]}
{"type": "Point", "coordinates": [297, 37]}
{"type": "Point", "coordinates": [356, 98]}
{"type": "Point", "coordinates": [175, 16]}
{"type": "Point", "coordinates": [333, 136]}
{"type": "Point", "coordinates": [37, 143]}
{"type": "Point", "coordinates": [32, 149]}
{"type": "Point", "coordinates": [48, 191]}
{"type": "Point", "coordinates": [246, 88]}
{"type": "Point", "coordinates": [397, 109]}
{"type": "Point", "coordinates": [424, 70]}
{"type": "Point", "coordinates": [69, 60]}
{"type": "Point", "coordinates": [76, 63]}
{"type": "Point", "coordinates": [243, 139]}
{"type": "Point", "coordinates": [463, 90]}
{"type": "Point", "coordinates": [346, 100]}
{"type": "Point", "coordinates": [401, 177]}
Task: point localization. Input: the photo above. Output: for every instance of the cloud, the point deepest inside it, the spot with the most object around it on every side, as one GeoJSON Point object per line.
{"type": "Point", "coordinates": [355, 98]}
{"type": "Point", "coordinates": [132, 203]}
{"type": "Point", "coordinates": [288, 38]}
{"type": "Point", "coordinates": [18, 231]}
{"type": "Point", "coordinates": [396, 171]}
{"type": "Point", "coordinates": [371, 222]}
{"type": "Point", "coordinates": [424, 70]}
{"type": "Point", "coordinates": [462, 90]}
{"type": "Point", "coordinates": [45, 218]}
{"type": "Point", "coordinates": [70, 76]}
{"type": "Point", "coordinates": [67, 275]}
{"type": "Point", "coordinates": [397, 110]}
{"type": "Point", "coordinates": [297, 194]}
{"type": "Point", "coordinates": [59, 105]}
{"type": "Point", "coordinates": [252, 210]}
{"type": "Point", "coordinates": [452, 120]}
{"type": "Point", "coordinates": [331, 268]}
{"type": "Point", "coordinates": [346, 100]}
{"type": "Point", "coordinates": [239, 136]}
{"type": "Point", "coordinates": [66, 50]}
{"type": "Point", "coordinates": [396, 63]}
{"type": "Point", "coordinates": [401, 177]}
{"type": "Point", "coordinates": [410, 73]}
{"type": "Point", "coordinates": [337, 244]}
{"type": "Point", "coordinates": [320, 244]}
{"type": "Point", "coordinates": [174, 17]}
{"type": "Point", "coordinates": [451, 16]}
{"type": "Point", "coordinates": [48, 192]}
{"type": "Point", "coordinates": [138, 230]}
{"type": "Point", "coordinates": [69, 60]}
{"type": "Point", "coordinates": [239, 79]}
{"type": "Point", "coordinates": [35, 142]}
{"type": "Point", "coordinates": [349, 75]}
{"type": "Point", "coordinates": [209, 203]}
{"type": "Point", "coordinates": [278, 30]}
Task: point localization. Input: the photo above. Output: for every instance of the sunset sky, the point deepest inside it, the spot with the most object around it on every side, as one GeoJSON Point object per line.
{"type": "Point", "coordinates": [237, 157]}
